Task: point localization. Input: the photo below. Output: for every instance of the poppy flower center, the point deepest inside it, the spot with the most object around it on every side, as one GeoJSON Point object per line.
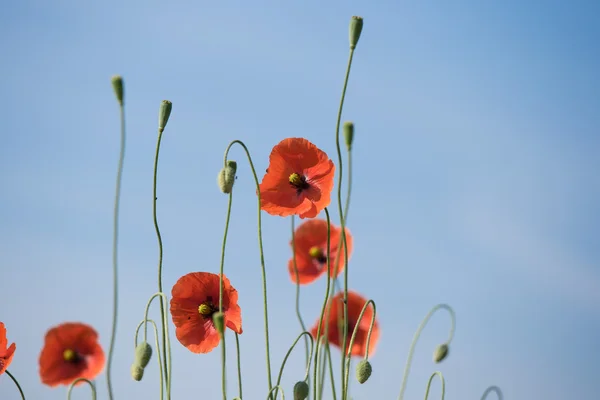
{"type": "Point", "coordinates": [298, 182]}
{"type": "Point", "coordinates": [206, 309]}
{"type": "Point", "coordinates": [318, 254]}
{"type": "Point", "coordinates": [70, 355]}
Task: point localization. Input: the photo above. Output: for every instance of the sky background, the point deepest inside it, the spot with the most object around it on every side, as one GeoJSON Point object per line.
{"type": "Point", "coordinates": [475, 181]}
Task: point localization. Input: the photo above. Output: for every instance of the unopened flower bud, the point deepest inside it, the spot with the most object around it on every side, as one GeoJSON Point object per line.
{"type": "Point", "coordinates": [163, 114]}
{"type": "Point", "coordinates": [143, 352]}
{"type": "Point", "coordinates": [300, 390]}
{"type": "Point", "coordinates": [226, 177]}
{"type": "Point", "coordinates": [440, 353]}
{"type": "Point", "coordinates": [219, 321]}
{"type": "Point", "coordinates": [137, 372]}
{"type": "Point", "coordinates": [356, 25]}
{"type": "Point", "coordinates": [117, 84]}
{"type": "Point", "coordinates": [363, 371]}
{"type": "Point", "coordinates": [349, 134]}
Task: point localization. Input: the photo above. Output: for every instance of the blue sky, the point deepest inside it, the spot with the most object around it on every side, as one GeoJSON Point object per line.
{"type": "Point", "coordinates": [475, 180]}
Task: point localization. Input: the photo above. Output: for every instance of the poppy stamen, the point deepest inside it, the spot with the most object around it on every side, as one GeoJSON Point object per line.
{"type": "Point", "coordinates": [299, 182]}
{"type": "Point", "coordinates": [71, 356]}
{"type": "Point", "coordinates": [206, 309]}
{"type": "Point", "coordinates": [318, 254]}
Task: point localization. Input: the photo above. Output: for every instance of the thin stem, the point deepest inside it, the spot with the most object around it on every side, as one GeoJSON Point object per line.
{"type": "Point", "coordinates": [156, 343]}
{"type": "Point", "coordinates": [276, 388]}
{"type": "Point", "coordinates": [324, 349]}
{"type": "Point", "coordinates": [262, 256]}
{"type": "Point", "coordinates": [320, 324]}
{"type": "Point", "coordinates": [16, 384]}
{"type": "Point", "coordinates": [115, 250]}
{"type": "Point", "coordinates": [165, 328]}
{"type": "Point", "coordinates": [349, 351]}
{"type": "Point", "coordinates": [492, 389]}
{"type": "Point", "coordinates": [328, 349]}
{"type": "Point", "coordinates": [167, 345]}
{"type": "Point", "coordinates": [305, 334]}
{"type": "Point", "coordinates": [418, 334]}
{"type": "Point", "coordinates": [298, 314]}
{"type": "Point", "coordinates": [438, 373]}
{"type": "Point", "coordinates": [239, 364]}
{"type": "Point", "coordinates": [76, 381]}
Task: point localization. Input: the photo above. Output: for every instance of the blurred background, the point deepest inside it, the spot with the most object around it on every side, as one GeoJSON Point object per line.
{"type": "Point", "coordinates": [475, 181]}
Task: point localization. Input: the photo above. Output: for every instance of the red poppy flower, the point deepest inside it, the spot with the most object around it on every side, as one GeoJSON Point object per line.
{"type": "Point", "coordinates": [298, 181]}
{"type": "Point", "coordinates": [71, 350]}
{"type": "Point", "coordinates": [311, 250]}
{"type": "Point", "coordinates": [6, 353]}
{"type": "Point", "coordinates": [195, 300]}
{"type": "Point", "coordinates": [355, 305]}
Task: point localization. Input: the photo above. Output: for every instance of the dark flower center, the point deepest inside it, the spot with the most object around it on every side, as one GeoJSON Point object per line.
{"type": "Point", "coordinates": [298, 182]}
{"type": "Point", "coordinates": [207, 308]}
{"type": "Point", "coordinates": [71, 356]}
{"type": "Point", "coordinates": [318, 254]}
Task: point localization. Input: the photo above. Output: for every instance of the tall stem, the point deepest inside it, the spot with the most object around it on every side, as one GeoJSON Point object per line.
{"type": "Point", "coordinates": [16, 382]}
{"type": "Point", "coordinates": [298, 314]}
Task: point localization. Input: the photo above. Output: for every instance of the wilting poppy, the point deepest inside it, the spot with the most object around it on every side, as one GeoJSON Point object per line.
{"type": "Point", "coordinates": [6, 353]}
{"type": "Point", "coordinates": [298, 181]}
{"type": "Point", "coordinates": [71, 350]}
{"type": "Point", "coordinates": [195, 300]}
{"type": "Point", "coordinates": [311, 250]}
{"type": "Point", "coordinates": [335, 334]}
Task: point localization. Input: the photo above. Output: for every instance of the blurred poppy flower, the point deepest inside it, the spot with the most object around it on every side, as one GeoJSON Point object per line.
{"type": "Point", "coordinates": [298, 181]}
{"type": "Point", "coordinates": [195, 300]}
{"type": "Point", "coordinates": [311, 250]}
{"type": "Point", "coordinates": [355, 304]}
{"type": "Point", "coordinates": [6, 353]}
{"type": "Point", "coordinates": [71, 350]}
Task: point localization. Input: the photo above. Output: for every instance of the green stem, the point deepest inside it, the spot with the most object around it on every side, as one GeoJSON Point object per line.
{"type": "Point", "coordinates": [115, 249]}
{"type": "Point", "coordinates": [239, 364]}
{"type": "Point", "coordinates": [156, 343]}
{"type": "Point", "coordinates": [165, 328]}
{"type": "Point", "coordinates": [438, 373]}
{"type": "Point", "coordinates": [92, 386]}
{"type": "Point", "coordinates": [348, 355]}
{"type": "Point", "coordinates": [262, 257]}
{"type": "Point", "coordinates": [298, 314]}
{"type": "Point", "coordinates": [492, 389]}
{"type": "Point", "coordinates": [287, 355]}
{"type": "Point", "coordinates": [16, 384]}
{"type": "Point", "coordinates": [324, 349]}
{"type": "Point", "coordinates": [276, 388]}
{"type": "Point", "coordinates": [330, 363]}
{"type": "Point", "coordinates": [167, 345]}
{"type": "Point", "coordinates": [418, 334]}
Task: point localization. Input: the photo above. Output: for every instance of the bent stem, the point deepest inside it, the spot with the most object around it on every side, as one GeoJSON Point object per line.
{"type": "Point", "coordinates": [92, 386]}
{"type": "Point", "coordinates": [111, 347]}
{"type": "Point", "coordinates": [167, 345]}
{"type": "Point", "coordinates": [262, 256]}
{"type": "Point", "coordinates": [156, 343]}
{"type": "Point", "coordinates": [492, 389]}
{"type": "Point", "coordinates": [348, 354]}
{"type": "Point", "coordinates": [305, 334]}
{"type": "Point", "coordinates": [438, 373]}
{"type": "Point", "coordinates": [418, 334]}
{"type": "Point", "coordinates": [298, 314]}
{"type": "Point", "coordinates": [16, 384]}
{"type": "Point", "coordinates": [276, 388]}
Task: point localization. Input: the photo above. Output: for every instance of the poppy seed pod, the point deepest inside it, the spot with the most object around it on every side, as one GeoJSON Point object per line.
{"type": "Point", "coordinates": [143, 352]}
{"type": "Point", "coordinates": [164, 112]}
{"type": "Point", "coordinates": [219, 321]}
{"type": "Point", "coordinates": [440, 353]}
{"type": "Point", "coordinates": [226, 177]}
{"type": "Point", "coordinates": [300, 390]}
{"type": "Point", "coordinates": [137, 372]}
{"type": "Point", "coordinates": [356, 25]}
{"type": "Point", "coordinates": [117, 84]}
{"type": "Point", "coordinates": [349, 134]}
{"type": "Point", "coordinates": [363, 371]}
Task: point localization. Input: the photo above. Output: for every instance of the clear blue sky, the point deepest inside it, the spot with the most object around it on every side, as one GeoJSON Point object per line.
{"type": "Point", "coordinates": [476, 180]}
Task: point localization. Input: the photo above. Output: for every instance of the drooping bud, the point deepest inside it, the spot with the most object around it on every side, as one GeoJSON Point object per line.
{"type": "Point", "coordinates": [363, 371]}
{"type": "Point", "coordinates": [226, 177]}
{"type": "Point", "coordinates": [143, 352]}
{"type": "Point", "coordinates": [137, 372]}
{"type": "Point", "coordinates": [163, 114]}
{"type": "Point", "coordinates": [300, 390]}
{"type": "Point", "coordinates": [356, 25]}
{"type": "Point", "coordinates": [349, 134]}
{"type": "Point", "coordinates": [440, 353]}
{"type": "Point", "coordinates": [117, 84]}
{"type": "Point", "coordinates": [219, 321]}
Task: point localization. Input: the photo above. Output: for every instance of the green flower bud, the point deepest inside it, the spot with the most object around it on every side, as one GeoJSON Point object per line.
{"type": "Point", "coordinates": [349, 134]}
{"type": "Point", "coordinates": [300, 390]}
{"type": "Point", "coordinates": [219, 321]}
{"type": "Point", "coordinates": [117, 84]}
{"type": "Point", "coordinates": [137, 372]}
{"type": "Point", "coordinates": [143, 352]}
{"type": "Point", "coordinates": [356, 25]}
{"type": "Point", "coordinates": [163, 114]}
{"type": "Point", "coordinates": [363, 371]}
{"type": "Point", "coordinates": [440, 353]}
{"type": "Point", "coordinates": [226, 177]}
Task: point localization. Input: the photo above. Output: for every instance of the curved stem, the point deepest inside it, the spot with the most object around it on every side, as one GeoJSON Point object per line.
{"type": "Point", "coordinates": [167, 345]}
{"type": "Point", "coordinates": [239, 364]}
{"type": "Point", "coordinates": [82, 380]}
{"type": "Point", "coordinates": [493, 389]}
{"type": "Point", "coordinates": [298, 314]}
{"type": "Point", "coordinates": [262, 256]}
{"type": "Point", "coordinates": [16, 384]}
{"type": "Point", "coordinates": [305, 334]}
{"type": "Point", "coordinates": [438, 373]}
{"type": "Point", "coordinates": [115, 249]}
{"type": "Point", "coordinates": [348, 354]}
{"type": "Point", "coordinates": [156, 343]}
{"type": "Point", "coordinates": [276, 388]}
{"type": "Point", "coordinates": [416, 337]}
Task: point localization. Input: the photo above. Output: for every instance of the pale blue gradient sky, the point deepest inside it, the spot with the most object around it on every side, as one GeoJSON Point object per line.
{"type": "Point", "coordinates": [476, 184]}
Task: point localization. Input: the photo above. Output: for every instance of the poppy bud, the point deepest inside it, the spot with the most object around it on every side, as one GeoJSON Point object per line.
{"type": "Point", "coordinates": [143, 352]}
{"type": "Point", "coordinates": [219, 321]}
{"type": "Point", "coordinates": [349, 134]}
{"type": "Point", "coordinates": [356, 25]}
{"type": "Point", "coordinates": [363, 371]}
{"type": "Point", "coordinates": [440, 353]}
{"type": "Point", "coordinates": [117, 83]}
{"type": "Point", "coordinates": [226, 177]}
{"type": "Point", "coordinates": [137, 372]}
{"type": "Point", "coordinates": [163, 114]}
{"type": "Point", "coordinates": [300, 390]}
